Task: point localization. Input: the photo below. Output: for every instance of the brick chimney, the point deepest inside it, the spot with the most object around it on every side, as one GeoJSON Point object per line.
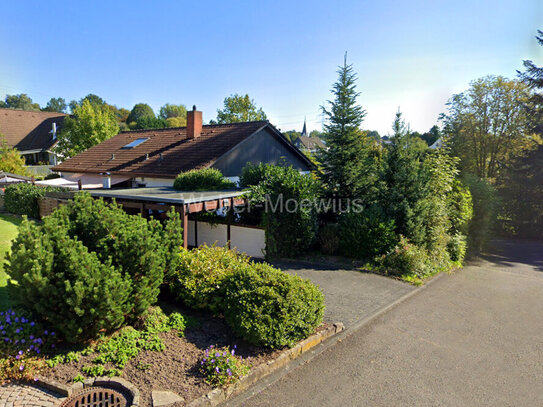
{"type": "Point", "coordinates": [194, 123]}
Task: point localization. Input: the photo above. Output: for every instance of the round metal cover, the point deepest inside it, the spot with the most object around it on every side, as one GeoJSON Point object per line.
{"type": "Point", "coordinates": [96, 397]}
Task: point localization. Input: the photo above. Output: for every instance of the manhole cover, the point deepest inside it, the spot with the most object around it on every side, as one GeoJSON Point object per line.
{"type": "Point", "coordinates": [96, 397]}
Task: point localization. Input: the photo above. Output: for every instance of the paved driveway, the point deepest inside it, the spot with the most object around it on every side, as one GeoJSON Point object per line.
{"type": "Point", "coordinates": [473, 338]}
{"type": "Point", "coordinates": [350, 296]}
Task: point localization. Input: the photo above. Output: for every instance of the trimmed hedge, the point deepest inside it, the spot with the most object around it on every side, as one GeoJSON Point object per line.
{"type": "Point", "coordinates": [270, 308]}
{"type": "Point", "coordinates": [208, 179]}
{"type": "Point", "coordinates": [22, 198]}
{"type": "Point", "coordinates": [199, 280]}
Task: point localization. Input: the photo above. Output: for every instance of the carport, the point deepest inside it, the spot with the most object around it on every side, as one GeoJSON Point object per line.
{"type": "Point", "coordinates": [162, 198]}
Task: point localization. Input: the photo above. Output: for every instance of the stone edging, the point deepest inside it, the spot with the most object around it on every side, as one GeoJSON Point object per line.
{"type": "Point", "coordinates": [68, 390]}
{"type": "Point", "coordinates": [216, 396]}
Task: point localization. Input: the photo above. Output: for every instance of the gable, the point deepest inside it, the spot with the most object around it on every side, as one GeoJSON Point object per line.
{"type": "Point", "coordinates": [262, 147]}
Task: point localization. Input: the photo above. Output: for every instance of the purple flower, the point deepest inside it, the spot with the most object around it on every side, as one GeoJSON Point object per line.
{"type": "Point", "coordinates": [20, 352]}
{"type": "Point", "coordinates": [45, 332]}
{"type": "Point", "coordinates": [21, 368]}
{"type": "Point", "coordinates": [202, 362]}
{"type": "Point", "coordinates": [212, 361]}
{"type": "Point", "coordinates": [31, 337]}
{"type": "Point", "coordinates": [52, 334]}
{"type": "Point", "coordinates": [233, 352]}
{"type": "Point", "coordinates": [217, 369]}
{"type": "Point", "coordinates": [217, 354]}
{"type": "Point", "coordinates": [23, 341]}
{"type": "Point", "coordinates": [229, 372]}
{"type": "Point", "coordinates": [18, 357]}
{"type": "Point", "coordinates": [32, 323]}
{"type": "Point", "coordinates": [37, 351]}
{"type": "Point", "coordinates": [235, 346]}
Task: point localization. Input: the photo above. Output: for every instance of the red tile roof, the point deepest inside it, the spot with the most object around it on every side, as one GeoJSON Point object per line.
{"type": "Point", "coordinates": [178, 152]}
{"type": "Point", "coordinates": [29, 130]}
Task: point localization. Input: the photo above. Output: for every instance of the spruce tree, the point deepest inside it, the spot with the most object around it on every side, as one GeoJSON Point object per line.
{"type": "Point", "coordinates": [348, 162]}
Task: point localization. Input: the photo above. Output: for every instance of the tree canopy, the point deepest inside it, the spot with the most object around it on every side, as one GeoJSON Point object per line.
{"type": "Point", "coordinates": [21, 101]}
{"type": "Point", "coordinates": [488, 125]}
{"type": "Point", "coordinates": [10, 159]}
{"type": "Point", "coordinates": [90, 124]}
{"type": "Point", "coordinates": [140, 111]}
{"type": "Point", "coordinates": [238, 108]}
{"type": "Point", "coordinates": [56, 105]}
{"type": "Point", "coordinates": [348, 162]}
{"type": "Point", "coordinates": [533, 78]}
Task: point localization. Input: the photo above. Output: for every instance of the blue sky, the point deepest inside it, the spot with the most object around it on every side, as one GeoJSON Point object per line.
{"type": "Point", "coordinates": [410, 54]}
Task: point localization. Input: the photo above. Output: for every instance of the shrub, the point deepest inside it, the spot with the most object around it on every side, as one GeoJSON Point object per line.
{"type": "Point", "coordinates": [366, 234]}
{"type": "Point", "coordinates": [90, 266]}
{"type": "Point", "coordinates": [329, 238]}
{"type": "Point", "coordinates": [136, 247]}
{"type": "Point", "coordinates": [457, 248]}
{"type": "Point", "coordinates": [407, 259]}
{"type": "Point", "coordinates": [22, 198]}
{"type": "Point", "coordinates": [221, 367]}
{"type": "Point", "coordinates": [199, 280]}
{"type": "Point", "coordinates": [207, 179]}
{"type": "Point", "coordinates": [58, 279]}
{"type": "Point", "coordinates": [268, 307]}
{"type": "Point", "coordinates": [289, 197]}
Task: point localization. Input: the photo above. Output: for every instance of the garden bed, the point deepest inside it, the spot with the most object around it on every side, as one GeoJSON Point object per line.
{"type": "Point", "coordinates": [176, 368]}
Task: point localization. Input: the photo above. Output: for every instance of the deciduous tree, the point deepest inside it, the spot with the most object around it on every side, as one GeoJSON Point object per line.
{"type": "Point", "coordinates": [21, 101]}
{"type": "Point", "coordinates": [90, 125]}
{"type": "Point", "coordinates": [56, 105]}
{"type": "Point", "coordinates": [140, 111]}
{"type": "Point", "coordinates": [238, 108]}
{"type": "Point", "coordinates": [487, 125]}
{"type": "Point", "coordinates": [10, 159]}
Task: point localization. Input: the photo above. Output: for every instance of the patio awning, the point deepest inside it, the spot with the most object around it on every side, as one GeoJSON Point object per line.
{"type": "Point", "coordinates": [72, 181]}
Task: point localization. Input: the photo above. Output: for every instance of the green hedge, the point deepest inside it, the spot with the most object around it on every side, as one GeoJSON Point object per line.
{"type": "Point", "coordinates": [208, 179]}
{"type": "Point", "coordinates": [65, 270]}
{"type": "Point", "coordinates": [199, 280]}
{"type": "Point", "coordinates": [366, 234]}
{"type": "Point", "coordinates": [22, 198]}
{"type": "Point", "coordinates": [270, 308]}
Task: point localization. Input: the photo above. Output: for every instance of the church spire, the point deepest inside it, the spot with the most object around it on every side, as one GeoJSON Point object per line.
{"type": "Point", "coordinates": [304, 130]}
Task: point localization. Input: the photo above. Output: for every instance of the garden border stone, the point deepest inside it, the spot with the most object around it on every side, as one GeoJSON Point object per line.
{"type": "Point", "coordinates": [218, 395]}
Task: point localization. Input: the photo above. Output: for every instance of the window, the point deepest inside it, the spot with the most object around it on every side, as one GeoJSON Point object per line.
{"type": "Point", "coordinates": [135, 143]}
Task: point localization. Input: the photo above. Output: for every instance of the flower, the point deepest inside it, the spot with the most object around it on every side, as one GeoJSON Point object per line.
{"type": "Point", "coordinates": [20, 352]}
{"type": "Point", "coordinates": [233, 352]}
{"type": "Point", "coordinates": [21, 368]}
{"type": "Point", "coordinates": [229, 372]}
{"type": "Point", "coordinates": [217, 369]}
{"type": "Point", "coordinates": [212, 361]}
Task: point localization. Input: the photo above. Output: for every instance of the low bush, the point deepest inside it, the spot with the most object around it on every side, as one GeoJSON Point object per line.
{"type": "Point", "coordinates": [366, 234]}
{"type": "Point", "coordinates": [58, 279]}
{"type": "Point", "coordinates": [406, 259]}
{"type": "Point", "coordinates": [199, 280]}
{"type": "Point", "coordinates": [207, 179]}
{"type": "Point", "coordinates": [457, 247]}
{"type": "Point", "coordinates": [221, 366]}
{"type": "Point", "coordinates": [90, 267]}
{"type": "Point", "coordinates": [270, 308]}
{"type": "Point", "coordinates": [22, 198]}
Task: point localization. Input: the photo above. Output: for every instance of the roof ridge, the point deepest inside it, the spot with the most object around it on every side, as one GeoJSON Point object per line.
{"type": "Point", "coordinates": [32, 111]}
{"type": "Point", "coordinates": [184, 127]}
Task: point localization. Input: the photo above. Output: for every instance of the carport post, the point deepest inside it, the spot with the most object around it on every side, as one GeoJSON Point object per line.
{"type": "Point", "coordinates": [185, 224]}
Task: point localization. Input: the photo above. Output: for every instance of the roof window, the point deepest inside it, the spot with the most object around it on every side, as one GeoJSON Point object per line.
{"type": "Point", "coordinates": [135, 143]}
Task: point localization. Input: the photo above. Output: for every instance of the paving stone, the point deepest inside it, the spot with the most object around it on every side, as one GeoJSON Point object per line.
{"type": "Point", "coordinates": [164, 398]}
{"type": "Point", "coordinates": [15, 395]}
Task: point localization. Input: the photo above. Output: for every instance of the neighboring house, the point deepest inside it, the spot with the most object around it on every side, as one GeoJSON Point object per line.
{"type": "Point", "coordinates": [437, 144]}
{"type": "Point", "coordinates": [155, 157]}
{"type": "Point", "coordinates": [33, 133]}
{"type": "Point", "coordinates": [309, 144]}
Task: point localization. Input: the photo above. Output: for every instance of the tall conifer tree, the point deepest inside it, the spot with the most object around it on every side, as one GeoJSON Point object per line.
{"type": "Point", "coordinates": [348, 162]}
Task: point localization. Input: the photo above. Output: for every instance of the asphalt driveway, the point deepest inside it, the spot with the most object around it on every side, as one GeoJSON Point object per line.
{"type": "Point", "coordinates": [473, 338]}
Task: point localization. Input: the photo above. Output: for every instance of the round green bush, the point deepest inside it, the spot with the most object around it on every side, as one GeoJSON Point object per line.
{"type": "Point", "coordinates": [199, 279]}
{"type": "Point", "coordinates": [207, 179]}
{"type": "Point", "coordinates": [270, 308]}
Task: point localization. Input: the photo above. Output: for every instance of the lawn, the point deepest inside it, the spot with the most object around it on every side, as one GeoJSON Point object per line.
{"type": "Point", "coordinates": [8, 231]}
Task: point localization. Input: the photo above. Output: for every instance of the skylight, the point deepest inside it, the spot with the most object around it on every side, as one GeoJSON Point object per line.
{"type": "Point", "coordinates": [135, 143]}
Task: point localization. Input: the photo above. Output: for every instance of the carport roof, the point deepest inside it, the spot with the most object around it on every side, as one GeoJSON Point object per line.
{"type": "Point", "coordinates": [166, 195]}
